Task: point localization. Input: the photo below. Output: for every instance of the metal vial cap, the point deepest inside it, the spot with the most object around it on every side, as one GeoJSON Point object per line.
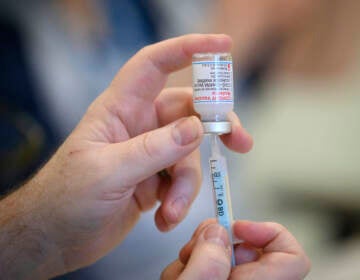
{"type": "Point", "coordinates": [216, 127]}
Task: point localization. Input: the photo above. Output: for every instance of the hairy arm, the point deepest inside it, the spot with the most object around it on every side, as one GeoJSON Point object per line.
{"type": "Point", "coordinates": [27, 250]}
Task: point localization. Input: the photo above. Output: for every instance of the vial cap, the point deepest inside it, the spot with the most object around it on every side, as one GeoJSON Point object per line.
{"type": "Point", "coordinates": [216, 127]}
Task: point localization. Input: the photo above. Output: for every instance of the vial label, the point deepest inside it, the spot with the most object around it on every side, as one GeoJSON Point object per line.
{"type": "Point", "coordinates": [213, 82]}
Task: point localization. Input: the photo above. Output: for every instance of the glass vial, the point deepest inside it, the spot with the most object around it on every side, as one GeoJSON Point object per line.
{"type": "Point", "coordinates": [213, 90]}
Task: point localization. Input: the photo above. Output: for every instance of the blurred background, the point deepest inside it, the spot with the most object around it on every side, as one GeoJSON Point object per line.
{"type": "Point", "coordinates": [296, 67]}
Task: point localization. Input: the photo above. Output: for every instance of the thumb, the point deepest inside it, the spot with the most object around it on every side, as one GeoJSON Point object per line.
{"type": "Point", "coordinates": [151, 152]}
{"type": "Point", "coordinates": [210, 258]}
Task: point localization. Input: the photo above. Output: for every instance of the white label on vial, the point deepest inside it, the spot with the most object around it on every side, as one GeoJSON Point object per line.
{"type": "Point", "coordinates": [213, 82]}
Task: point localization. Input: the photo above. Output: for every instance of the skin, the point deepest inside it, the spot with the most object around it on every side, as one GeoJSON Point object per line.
{"type": "Point", "coordinates": [268, 251]}
{"type": "Point", "coordinates": [91, 193]}
{"type": "Point", "coordinates": [312, 40]}
{"type": "Point", "coordinates": [256, 25]}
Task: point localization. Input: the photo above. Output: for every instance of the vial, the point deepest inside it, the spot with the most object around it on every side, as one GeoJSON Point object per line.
{"type": "Point", "coordinates": [213, 90]}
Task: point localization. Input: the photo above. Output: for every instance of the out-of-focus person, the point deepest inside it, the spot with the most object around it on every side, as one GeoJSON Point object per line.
{"type": "Point", "coordinates": [300, 59]}
{"type": "Point", "coordinates": [304, 169]}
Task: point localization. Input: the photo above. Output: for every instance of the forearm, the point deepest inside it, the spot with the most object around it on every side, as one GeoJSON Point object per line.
{"type": "Point", "coordinates": [26, 249]}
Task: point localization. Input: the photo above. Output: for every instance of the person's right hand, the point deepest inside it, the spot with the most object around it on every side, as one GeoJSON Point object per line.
{"type": "Point", "coordinates": [268, 251]}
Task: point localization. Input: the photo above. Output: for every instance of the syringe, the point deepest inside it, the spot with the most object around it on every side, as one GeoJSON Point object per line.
{"type": "Point", "coordinates": [213, 98]}
{"type": "Point", "coordinates": [221, 190]}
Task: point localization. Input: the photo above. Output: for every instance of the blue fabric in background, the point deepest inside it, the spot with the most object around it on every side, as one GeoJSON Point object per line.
{"type": "Point", "coordinates": [134, 23]}
{"type": "Point", "coordinates": [18, 106]}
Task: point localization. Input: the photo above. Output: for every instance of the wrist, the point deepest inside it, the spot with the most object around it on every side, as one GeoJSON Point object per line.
{"type": "Point", "coordinates": [28, 250]}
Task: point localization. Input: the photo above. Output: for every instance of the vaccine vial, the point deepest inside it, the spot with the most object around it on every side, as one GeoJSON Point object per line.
{"type": "Point", "coordinates": [213, 90]}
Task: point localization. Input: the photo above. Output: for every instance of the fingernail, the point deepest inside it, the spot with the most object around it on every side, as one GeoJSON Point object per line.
{"type": "Point", "coordinates": [186, 131]}
{"type": "Point", "coordinates": [246, 254]}
{"type": "Point", "coordinates": [214, 233]}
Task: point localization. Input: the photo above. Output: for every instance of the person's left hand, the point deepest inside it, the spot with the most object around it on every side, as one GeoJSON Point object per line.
{"type": "Point", "coordinates": [267, 251]}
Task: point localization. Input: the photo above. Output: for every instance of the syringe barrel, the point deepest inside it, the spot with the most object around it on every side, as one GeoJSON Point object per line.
{"type": "Point", "coordinates": [221, 190]}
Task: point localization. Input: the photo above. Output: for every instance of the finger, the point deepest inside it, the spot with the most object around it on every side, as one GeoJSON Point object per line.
{"type": "Point", "coordinates": [146, 192]}
{"type": "Point", "coordinates": [272, 237]}
{"type": "Point", "coordinates": [210, 258]}
{"type": "Point", "coordinates": [245, 253]}
{"type": "Point", "coordinates": [282, 257]}
{"type": "Point", "coordinates": [141, 79]}
{"type": "Point", "coordinates": [152, 190]}
{"type": "Point", "coordinates": [172, 271]}
{"type": "Point", "coordinates": [185, 184]}
{"type": "Point", "coordinates": [277, 266]}
{"type": "Point", "coordinates": [133, 161]}
{"type": "Point", "coordinates": [186, 250]}
{"type": "Point", "coordinates": [239, 140]}
{"type": "Point", "coordinates": [145, 74]}
{"type": "Point", "coordinates": [164, 186]}
{"type": "Point", "coordinates": [174, 103]}
{"type": "Point", "coordinates": [201, 227]}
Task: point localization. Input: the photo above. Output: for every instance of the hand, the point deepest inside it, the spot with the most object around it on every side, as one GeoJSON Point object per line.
{"type": "Point", "coordinates": [268, 251]}
{"type": "Point", "coordinates": [91, 193]}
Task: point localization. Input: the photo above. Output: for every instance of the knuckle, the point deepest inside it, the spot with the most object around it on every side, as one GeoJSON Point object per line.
{"type": "Point", "coordinates": [147, 55]}
{"type": "Point", "coordinates": [148, 149]}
